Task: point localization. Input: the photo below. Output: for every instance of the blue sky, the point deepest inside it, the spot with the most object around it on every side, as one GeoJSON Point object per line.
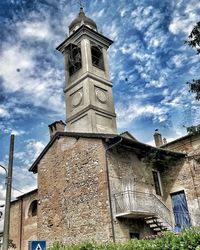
{"type": "Point", "coordinates": [149, 66]}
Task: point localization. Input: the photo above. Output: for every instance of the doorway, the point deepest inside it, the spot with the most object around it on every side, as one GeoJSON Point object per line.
{"type": "Point", "coordinates": [180, 210]}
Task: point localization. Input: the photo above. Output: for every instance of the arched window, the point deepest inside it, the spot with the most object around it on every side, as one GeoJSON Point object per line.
{"type": "Point", "coordinates": [74, 58]}
{"type": "Point", "coordinates": [33, 209]}
{"type": "Point", "coordinates": [97, 56]}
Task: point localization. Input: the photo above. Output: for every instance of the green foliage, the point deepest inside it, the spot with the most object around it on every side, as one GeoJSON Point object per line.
{"type": "Point", "coordinates": [194, 42]}
{"type": "Point", "coordinates": [194, 130]}
{"type": "Point", "coordinates": [188, 239]}
{"type": "Point", "coordinates": [194, 38]}
{"type": "Point", "coordinates": [195, 88]}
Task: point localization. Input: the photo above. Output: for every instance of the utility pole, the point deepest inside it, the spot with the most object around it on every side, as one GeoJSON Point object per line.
{"type": "Point", "coordinates": [8, 196]}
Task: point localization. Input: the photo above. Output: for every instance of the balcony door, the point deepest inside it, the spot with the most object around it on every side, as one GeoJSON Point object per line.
{"type": "Point", "coordinates": [180, 209]}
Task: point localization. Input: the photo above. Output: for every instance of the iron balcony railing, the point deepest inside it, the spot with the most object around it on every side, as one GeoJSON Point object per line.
{"type": "Point", "coordinates": [131, 202]}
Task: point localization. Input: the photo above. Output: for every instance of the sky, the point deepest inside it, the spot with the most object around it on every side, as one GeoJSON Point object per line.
{"type": "Point", "coordinates": [149, 67]}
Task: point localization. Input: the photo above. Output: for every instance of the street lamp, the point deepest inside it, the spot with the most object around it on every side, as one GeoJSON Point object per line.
{"type": "Point", "coordinates": [8, 194]}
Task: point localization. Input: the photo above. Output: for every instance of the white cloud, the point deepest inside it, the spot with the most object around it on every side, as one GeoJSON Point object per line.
{"type": "Point", "coordinates": [34, 147]}
{"type": "Point", "coordinates": [18, 70]}
{"type": "Point", "coordinates": [36, 30]}
{"type": "Point", "coordinates": [112, 30]}
{"type": "Point", "coordinates": [184, 19]}
{"type": "Point", "coordinates": [178, 60]}
{"type": "Point", "coordinates": [15, 63]}
{"type": "Point", "coordinates": [97, 14]}
{"type": "Point", "coordinates": [127, 114]}
{"type": "Point", "coordinates": [32, 150]}
{"type": "Point", "coordinates": [136, 51]}
{"type": "Point", "coordinates": [4, 112]}
{"type": "Point", "coordinates": [18, 132]}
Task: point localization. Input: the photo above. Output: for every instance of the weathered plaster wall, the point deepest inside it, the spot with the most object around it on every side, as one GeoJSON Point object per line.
{"type": "Point", "coordinates": [73, 192]}
{"type": "Point", "coordinates": [23, 226]}
{"type": "Point", "coordinates": [127, 172]}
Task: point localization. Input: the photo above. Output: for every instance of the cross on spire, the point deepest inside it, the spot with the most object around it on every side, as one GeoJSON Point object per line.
{"type": "Point", "coordinates": [81, 4]}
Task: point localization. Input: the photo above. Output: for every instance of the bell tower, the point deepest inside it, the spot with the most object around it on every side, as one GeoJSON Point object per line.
{"type": "Point", "coordinates": [88, 89]}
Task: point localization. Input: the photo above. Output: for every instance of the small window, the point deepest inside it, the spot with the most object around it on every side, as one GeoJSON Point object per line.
{"type": "Point", "coordinates": [157, 182]}
{"type": "Point", "coordinates": [33, 209]}
{"type": "Point", "coordinates": [97, 57]}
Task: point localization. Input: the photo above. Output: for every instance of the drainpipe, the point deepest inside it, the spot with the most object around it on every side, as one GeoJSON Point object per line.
{"type": "Point", "coordinates": [21, 221]}
{"type": "Point", "coordinates": [109, 189]}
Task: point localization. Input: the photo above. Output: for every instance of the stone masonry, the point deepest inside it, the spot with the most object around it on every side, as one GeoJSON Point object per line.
{"type": "Point", "coordinates": [187, 177]}
{"type": "Point", "coordinates": [73, 194]}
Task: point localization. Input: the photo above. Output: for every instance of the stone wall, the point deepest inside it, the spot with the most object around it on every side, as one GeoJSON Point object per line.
{"type": "Point", "coordinates": [187, 176]}
{"type": "Point", "coordinates": [127, 172]}
{"type": "Point", "coordinates": [186, 144]}
{"type": "Point", "coordinates": [23, 226]}
{"type": "Point", "coordinates": [73, 192]}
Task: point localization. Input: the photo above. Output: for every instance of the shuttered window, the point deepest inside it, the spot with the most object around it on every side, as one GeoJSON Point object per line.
{"type": "Point", "coordinates": [157, 182]}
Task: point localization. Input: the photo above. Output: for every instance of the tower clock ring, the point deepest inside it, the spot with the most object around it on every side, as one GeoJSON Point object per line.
{"type": "Point", "coordinates": [101, 96]}
{"type": "Point", "coordinates": [76, 99]}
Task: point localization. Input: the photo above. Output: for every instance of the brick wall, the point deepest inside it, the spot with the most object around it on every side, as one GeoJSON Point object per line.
{"type": "Point", "coordinates": [23, 226]}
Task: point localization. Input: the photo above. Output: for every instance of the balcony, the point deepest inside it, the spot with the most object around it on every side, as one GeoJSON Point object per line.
{"type": "Point", "coordinates": [130, 204]}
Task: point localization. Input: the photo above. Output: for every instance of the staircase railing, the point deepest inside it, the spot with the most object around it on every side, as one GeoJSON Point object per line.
{"type": "Point", "coordinates": [145, 203]}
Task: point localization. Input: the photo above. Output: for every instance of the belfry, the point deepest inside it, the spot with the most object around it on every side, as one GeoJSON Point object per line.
{"type": "Point", "coordinates": [88, 89]}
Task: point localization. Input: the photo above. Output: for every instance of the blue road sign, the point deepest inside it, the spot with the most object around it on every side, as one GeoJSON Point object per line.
{"type": "Point", "coordinates": [37, 245]}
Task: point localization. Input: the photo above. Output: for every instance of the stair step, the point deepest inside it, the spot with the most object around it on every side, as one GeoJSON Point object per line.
{"type": "Point", "coordinates": [153, 225]}
{"type": "Point", "coordinates": [156, 224]}
{"type": "Point", "coordinates": [150, 221]}
{"type": "Point", "coordinates": [149, 217]}
{"type": "Point", "coordinates": [157, 229]}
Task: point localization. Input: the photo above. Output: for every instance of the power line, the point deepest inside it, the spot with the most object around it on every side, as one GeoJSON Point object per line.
{"type": "Point", "coordinates": [17, 190]}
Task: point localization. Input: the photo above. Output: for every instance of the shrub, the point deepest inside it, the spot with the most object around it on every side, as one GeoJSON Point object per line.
{"type": "Point", "coordinates": [188, 239]}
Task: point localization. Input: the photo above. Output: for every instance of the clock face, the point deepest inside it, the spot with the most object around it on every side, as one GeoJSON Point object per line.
{"type": "Point", "coordinates": [76, 99]}
{"type": "Point", "coordinates": [101, 96]}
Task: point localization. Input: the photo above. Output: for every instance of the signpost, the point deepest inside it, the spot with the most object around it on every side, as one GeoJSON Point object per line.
{"type": "Point", "coordinates": [37, 245]}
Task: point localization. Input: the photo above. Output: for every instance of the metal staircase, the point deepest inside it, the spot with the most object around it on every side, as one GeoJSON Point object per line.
{"type": "Point", "coordinates": [131, 204]}
{"type": "Point", "coordinates": [156, 224]}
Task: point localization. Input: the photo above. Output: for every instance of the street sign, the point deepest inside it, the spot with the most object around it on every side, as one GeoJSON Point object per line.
{"type": "Point", "coordinates": [37, 245]}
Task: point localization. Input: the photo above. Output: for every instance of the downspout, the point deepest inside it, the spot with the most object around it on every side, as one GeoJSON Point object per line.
{"type": "Point", "coordinates": [20, 231]}
{"type": "Point", "coordinates": [109, 189]}
{"type": "Point", "coordinates": [193, 180]}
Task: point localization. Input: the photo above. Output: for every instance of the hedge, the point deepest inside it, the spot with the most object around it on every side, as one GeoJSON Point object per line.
{"type": "Point", "coordinates": [188, 239]}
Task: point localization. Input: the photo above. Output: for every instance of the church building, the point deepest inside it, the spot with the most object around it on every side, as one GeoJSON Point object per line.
{"type": "Point", "coordinates": [94, 184]}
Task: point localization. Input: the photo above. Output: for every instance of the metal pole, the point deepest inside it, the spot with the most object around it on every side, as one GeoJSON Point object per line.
{"type": "Point", "coordinates": [8, 196]}
{"type": "Point", "coordinates": [109, 188]}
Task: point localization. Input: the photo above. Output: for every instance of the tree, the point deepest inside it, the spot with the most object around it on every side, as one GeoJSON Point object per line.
{"type": "Point", "coordinates": [194, 42]}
